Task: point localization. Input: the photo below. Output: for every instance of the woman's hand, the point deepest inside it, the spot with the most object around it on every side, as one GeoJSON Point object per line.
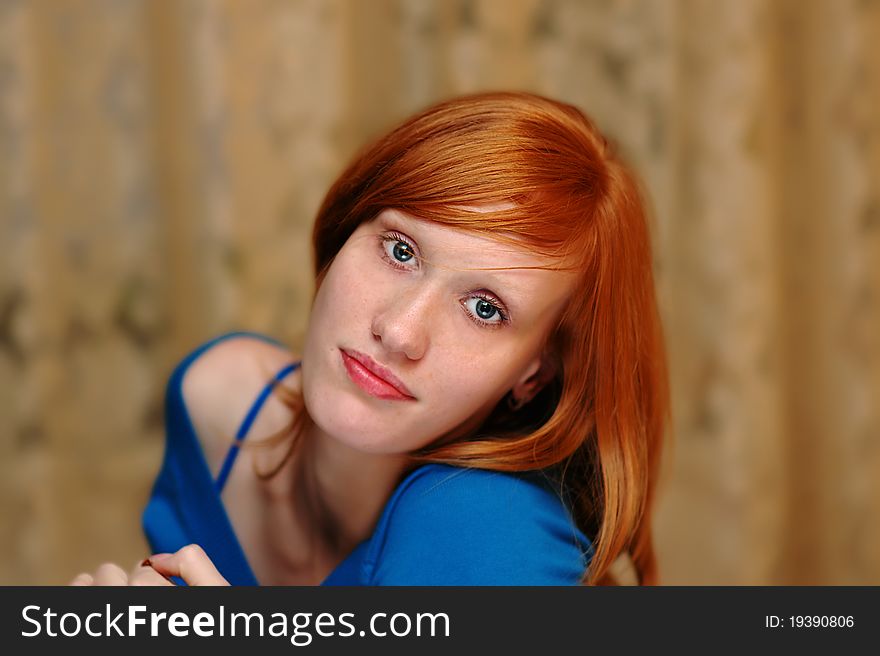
{"type": "Point", "coordinates": [190, 563]}
{"type": "Point", "coordinates": [111, 574]}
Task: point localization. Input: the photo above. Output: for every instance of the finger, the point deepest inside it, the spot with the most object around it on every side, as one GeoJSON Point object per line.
{"type": "Point", "coordinates": [83, 579]}
{"type": "Point", "coordinates": [191, 564]}
{"type": "Point", "coordinates": [144, 574]}
{"type": "Point", "coordinates": [110, 574]}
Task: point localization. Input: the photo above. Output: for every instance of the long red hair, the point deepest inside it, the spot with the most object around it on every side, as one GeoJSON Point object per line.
{"type": "Point", "coordinates": [600, 424]}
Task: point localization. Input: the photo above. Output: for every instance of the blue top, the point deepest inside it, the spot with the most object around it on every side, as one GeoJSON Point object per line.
{"type": "Point", "coordinates": [443, 525]}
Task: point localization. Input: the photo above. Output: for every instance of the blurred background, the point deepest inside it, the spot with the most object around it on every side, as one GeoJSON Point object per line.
{"type": "Point", "coordinates": [161, 163]}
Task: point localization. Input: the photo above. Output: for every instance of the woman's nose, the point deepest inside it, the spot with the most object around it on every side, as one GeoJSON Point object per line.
{"type": "Point", "coordinates": [403, 324]}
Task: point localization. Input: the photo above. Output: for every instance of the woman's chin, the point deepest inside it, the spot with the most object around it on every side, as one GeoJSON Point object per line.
{"type": "Point", "coordinates": [357, 422]}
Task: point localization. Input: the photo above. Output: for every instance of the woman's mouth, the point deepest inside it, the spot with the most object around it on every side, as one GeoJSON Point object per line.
{"type": "Point", "coordinates": [373, 378]}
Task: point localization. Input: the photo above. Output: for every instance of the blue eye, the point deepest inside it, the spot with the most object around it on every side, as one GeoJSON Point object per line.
{"type": "Point", "coordinates": [400, 251]}
{"type": "Point", "coordinates": [484, 311]}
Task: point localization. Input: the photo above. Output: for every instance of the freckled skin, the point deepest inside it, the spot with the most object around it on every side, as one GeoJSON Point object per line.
{"type": "Point", "coordinates": [414, 321]}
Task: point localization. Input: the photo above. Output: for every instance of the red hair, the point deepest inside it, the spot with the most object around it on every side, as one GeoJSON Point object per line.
{"type": "Point", "coordinates": [600, 424]}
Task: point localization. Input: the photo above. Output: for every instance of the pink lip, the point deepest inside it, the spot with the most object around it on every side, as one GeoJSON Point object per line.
{"type": "Point", "coordinates": [373, 378]}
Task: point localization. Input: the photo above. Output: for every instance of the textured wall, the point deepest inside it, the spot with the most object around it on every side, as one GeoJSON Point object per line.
{"type": "Point", "coordinates": [160, 164]}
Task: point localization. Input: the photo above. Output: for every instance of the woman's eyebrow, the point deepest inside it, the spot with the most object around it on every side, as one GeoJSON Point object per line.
{"type": "Point", "coordinates": [393, 220]}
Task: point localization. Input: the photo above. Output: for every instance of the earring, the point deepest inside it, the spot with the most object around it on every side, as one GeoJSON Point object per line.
{"type": "Point", "coordinates": [514, 403]}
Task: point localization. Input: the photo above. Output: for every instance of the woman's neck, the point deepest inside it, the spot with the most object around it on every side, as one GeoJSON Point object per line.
{"type": "Point", "coordinates": [353, 486]}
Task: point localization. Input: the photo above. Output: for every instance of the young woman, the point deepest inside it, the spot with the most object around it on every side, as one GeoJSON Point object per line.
{"type": "Point", "coordinates": [482, 393]}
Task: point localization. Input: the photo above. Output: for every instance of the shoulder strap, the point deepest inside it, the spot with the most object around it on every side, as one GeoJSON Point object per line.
{"type": "Point", "coordinates": [246, 425]}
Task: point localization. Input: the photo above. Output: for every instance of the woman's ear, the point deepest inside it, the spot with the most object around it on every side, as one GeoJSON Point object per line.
{"type": "Point", "coordinates": [540, 371]}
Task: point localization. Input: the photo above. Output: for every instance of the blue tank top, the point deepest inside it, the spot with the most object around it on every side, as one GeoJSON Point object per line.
{"type": "Point", "coordinates": [442, 525]}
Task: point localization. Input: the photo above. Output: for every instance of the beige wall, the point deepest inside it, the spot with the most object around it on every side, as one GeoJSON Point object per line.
{"type": "Point", "coordinates": [160, 163]}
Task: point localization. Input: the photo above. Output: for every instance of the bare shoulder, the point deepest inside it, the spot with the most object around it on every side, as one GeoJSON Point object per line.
{"type": "Point", "coordinates": [221, 385]}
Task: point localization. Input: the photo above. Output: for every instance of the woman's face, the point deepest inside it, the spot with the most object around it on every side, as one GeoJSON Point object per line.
{"type": "Point", "coordinates": [402, 299]}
